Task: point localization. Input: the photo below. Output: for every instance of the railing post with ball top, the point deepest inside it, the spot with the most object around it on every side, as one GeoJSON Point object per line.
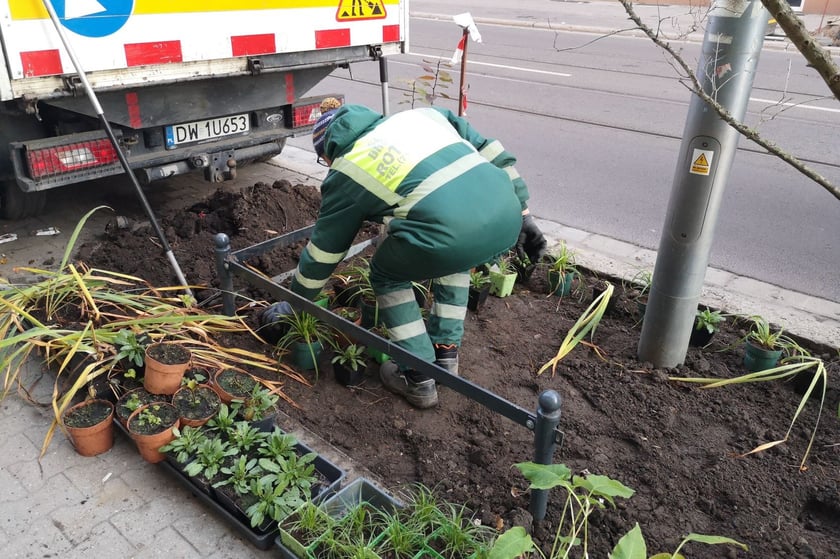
{"type": "Point", "coordinates": [545, 442]}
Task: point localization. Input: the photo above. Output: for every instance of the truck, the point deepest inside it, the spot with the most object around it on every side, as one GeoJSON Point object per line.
{"type": "Point", "coordinates": [186, 86]}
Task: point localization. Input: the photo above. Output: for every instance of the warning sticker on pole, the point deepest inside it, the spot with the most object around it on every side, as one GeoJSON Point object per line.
{"type": "Point", "coordinates": [701, 162]}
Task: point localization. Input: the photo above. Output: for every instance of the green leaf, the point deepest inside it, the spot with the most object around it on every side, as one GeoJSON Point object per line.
{"type": "Point", "coordinates": [603, 486]}
{"type": "Point", "coordinates": [512, 544]}
{"type": "Point", "coordinates": [631, 545]}
{"type": "Point", "coordinates": [545, 476]}
{"type": "Point", "coordinates": [714, 540]}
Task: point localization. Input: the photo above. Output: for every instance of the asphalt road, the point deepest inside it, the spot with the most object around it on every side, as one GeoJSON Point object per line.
{"type": "Point", "coordinates": [596, 123]}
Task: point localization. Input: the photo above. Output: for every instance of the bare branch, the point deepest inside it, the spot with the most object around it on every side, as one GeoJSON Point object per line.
{"type": "Point", "coordinates": [723, 113]}
{"type": "Point", "coordinates": [818, 57]}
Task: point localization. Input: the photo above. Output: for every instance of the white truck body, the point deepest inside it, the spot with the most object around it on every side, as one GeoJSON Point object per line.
{"type": "Point", "coordinates": [186, 84]}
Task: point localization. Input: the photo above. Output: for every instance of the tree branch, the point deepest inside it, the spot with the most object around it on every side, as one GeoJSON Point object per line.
{"type": "Point", "coordinates": [817, 56]}
{"type": "Point", "coordinates": [723, 113]}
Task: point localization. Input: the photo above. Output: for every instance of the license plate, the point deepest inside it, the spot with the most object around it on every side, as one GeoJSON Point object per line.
{"type": "Point", "coordinates": [201, 130]}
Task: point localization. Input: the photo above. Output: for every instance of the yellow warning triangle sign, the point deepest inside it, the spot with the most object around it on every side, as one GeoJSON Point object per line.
{"type": "Point", "coordinates": [701, 161]}
{"type": "Point", "coordinates": [349, 10]}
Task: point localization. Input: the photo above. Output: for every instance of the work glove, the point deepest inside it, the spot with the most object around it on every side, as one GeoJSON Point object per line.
{"type": "Point", "coordinates": [531, 243]}
{"type": "Point", "coordinates": [271, 327]}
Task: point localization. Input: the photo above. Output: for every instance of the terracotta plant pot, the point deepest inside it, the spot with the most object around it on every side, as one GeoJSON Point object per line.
{"type": "Point", "coordinates": [149, 437]}
{"type": "Point", "coordinates": [143, 396]}
{"type": "Point", "coordinates": [196, 405]}
{"type": "Point", "coordinates": [90, 426]}
{"type": "Point", "coordinates": [165, 367]}
{"type": "Point", "coordinates": [232, 384]}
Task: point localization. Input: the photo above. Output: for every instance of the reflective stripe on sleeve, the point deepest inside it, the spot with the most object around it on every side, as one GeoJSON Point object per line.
{"type": "Point", "coordinates": [492, 150]}
{"type": "Point", "coordinates": [512, 173]}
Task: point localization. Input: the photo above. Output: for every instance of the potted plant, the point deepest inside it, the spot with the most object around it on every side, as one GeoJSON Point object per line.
{"type": "Point", "coordinates": [132, 400]}
{"type": "Point", "coordinates": [260, 407]}
{"type": "Point", "coordinates": [305, 339]}
{"type": "Point", "coordinates": [166, 364]}
{"type": "Point", "coordinates": [502, 277]}
{"type": "Point", "coordinates": [639, 289]}
{"type": "Point", "coordinates": [378, 356]}
{"type": "Point", "coordinates": [182, 449]}
{"type": "Point", "coordinates": [479, 289]}
{"type": "Point", "coordinates": [764, 345]}
{"type": "Point", "coordinates": [349, 364]}
{"type": "Point", "coordinates": [706, 323]}
{"type": "Point", "coordinates": [151, 427]}
{"type": "Point", "coordinates": [350, 314]}
{"type": "Point", "coordinates": [561, 271]}
{"type": "Point", "coordinates": [209, 458]}
{"type": "Point", "coordinates": [233, 384]}
{"type": "Point", "coordinates": [196, 403]}
{"type": "Point", "coordinates": [90, 426]}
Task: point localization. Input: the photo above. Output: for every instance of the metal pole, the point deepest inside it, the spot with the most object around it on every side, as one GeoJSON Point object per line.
{"type": "Point", "coordinates": [726, 70]}
{"type": "Point", "coordinates": [545, 441]}
{"type": "Point", "coordinates": [462, 93]}
{"type": "Point", "coordinates": [107, 126]}
{"type": "Point", "coordinates": [383, 78]}
{"type": "Point", "coordinates": [225, 277]}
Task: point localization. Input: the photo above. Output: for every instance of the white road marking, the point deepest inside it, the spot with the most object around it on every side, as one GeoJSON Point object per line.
{"type": "Point", "coordinates": [517, 68]}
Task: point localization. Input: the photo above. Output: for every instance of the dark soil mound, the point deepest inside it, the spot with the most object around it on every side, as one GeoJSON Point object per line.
{"type": "Point", "coordinates": [680, 447]}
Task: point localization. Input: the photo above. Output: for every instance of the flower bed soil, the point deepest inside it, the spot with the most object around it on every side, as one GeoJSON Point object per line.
{"type": "Point", "coordinates": [678, 446]}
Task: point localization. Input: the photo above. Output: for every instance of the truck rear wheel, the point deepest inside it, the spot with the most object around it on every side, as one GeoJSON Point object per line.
{"type": "Point", "coordinates": [16, 204]}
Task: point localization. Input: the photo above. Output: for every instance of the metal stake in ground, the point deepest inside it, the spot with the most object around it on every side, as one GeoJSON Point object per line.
{"type": "Point", "coordinates": [107, 126]}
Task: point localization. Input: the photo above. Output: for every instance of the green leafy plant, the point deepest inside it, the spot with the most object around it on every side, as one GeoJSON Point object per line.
{"type": "Point", "coordinates": [185, 444]}
{"type": "Point", "coordinates": [632, 545]}
{"type": "Point", "coordinates": [129, 347]}
{"type": "Point", "coordinates": [352, 356]}
{"type": "Point", "coordinates": [709, 320]}
{"type": "Point", "coordinates": [261, 403]}
{"type": "Point", "coordinates": [583, 496]}
{"type": "Point", "coordinates": [209, 458]}
{"type": "Point", "coordinates": [303, 327]}
{"type": "Point", "coordinates": [278, 445]}
{"type": "Point", "coordinates": [639, 284]}
{"type": "Point", "coordinates": [458, 535]}
{"type": "Point", "coordinates": [275, 501]}
{"type": "Point", "coordinates": [479, 280]}
{"type": "Point", "coordinates": [240, 475]}
{"type": "Point", "coordinates": [246, 437]}
{"type": "Point", "coordinates": [224, 420]}
{"type": "Point", "coordinates": [563, 260]}
{"type": "Point", "coordinates": [765, 336]}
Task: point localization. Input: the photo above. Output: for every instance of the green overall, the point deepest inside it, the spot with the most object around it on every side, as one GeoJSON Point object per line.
{"type": "Point", "coordinates": [450, 199]}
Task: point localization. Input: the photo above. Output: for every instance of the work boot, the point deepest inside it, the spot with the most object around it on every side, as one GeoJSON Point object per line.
{"type": "Point", "coordinates": [419, 391]}
{"type": "Point", "coordinates": [446, 357]}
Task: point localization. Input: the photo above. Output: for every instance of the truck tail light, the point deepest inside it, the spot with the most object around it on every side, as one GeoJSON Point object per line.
{"type": "Point", "coordinates": [69, 158]}
{"type": "Point", "coordinates": [306, 112]}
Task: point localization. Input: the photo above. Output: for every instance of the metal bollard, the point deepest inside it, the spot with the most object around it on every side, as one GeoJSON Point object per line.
{"type": "Point", "coordinates": [225, 277]}
{"type": "Point", "coordinates": [545, 441]}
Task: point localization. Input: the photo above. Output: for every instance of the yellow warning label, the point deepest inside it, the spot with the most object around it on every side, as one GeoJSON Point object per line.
{"type": "Point", "coordinates": [349, 10]}
{"type": "Point", "coordinates": [701, 162]}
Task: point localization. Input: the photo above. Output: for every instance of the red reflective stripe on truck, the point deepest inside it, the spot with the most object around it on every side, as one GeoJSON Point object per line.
{"type": "Point", "coordinates": [41, 63]}
{"type": "Point", "coordinates": [159, 52]}
{"type": "Point", "coordinates": [244, 45]}
{"type": "Point", "coordinates": [332, 38]}
{"type": "Point", "coordinates": [133, 106]}
{"type": "Point", "coordinates": [390, 33]}
{"type": "Point", "coordinates": [290, 87]}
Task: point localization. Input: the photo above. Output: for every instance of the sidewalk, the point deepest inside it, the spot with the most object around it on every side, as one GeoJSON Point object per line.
{"type": "Point", "coordinates": [72, 507]}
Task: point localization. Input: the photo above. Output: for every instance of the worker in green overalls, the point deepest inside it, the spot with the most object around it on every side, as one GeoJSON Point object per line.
{"type": "Point", "coordinates": [450, 200]}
